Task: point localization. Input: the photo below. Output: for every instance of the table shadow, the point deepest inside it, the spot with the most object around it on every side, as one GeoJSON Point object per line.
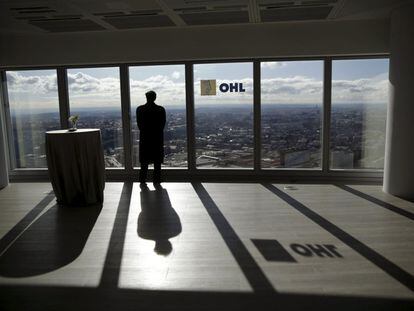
{"type": "Point", "coordinates": [158, 221]}
{"type": "Point", "coordinates": [54, 240]}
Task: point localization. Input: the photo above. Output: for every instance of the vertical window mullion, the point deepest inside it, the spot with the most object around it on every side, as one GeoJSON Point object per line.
{"type": "Point", "coordinates": [257, 115]}
{"type": "Point", "coordinates": [11, 157]}
{"type": "Point", "coordinates": [189, 88]}
{"type": "Point", "coordinates": [7, 116]}
{"type": "Point", "coordinates": [64, 110]}
{"type": "Point", "coordinates": [326, 123]}
{"type": "Point", "coordinates": [126, 117]}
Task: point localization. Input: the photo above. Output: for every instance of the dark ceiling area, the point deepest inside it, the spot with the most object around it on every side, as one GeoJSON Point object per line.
{"type": "Point", "coordinates": [43, 16]}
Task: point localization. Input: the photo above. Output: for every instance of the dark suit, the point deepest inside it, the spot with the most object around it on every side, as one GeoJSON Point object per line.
{"type": "Point", "coordinates": [151, 122]}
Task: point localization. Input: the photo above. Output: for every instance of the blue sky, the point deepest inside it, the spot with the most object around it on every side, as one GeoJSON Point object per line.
{"type": "Point", "coordinates": [291, 82]}
{"type": "Point", "coordinates": [312, 69]}
{"type": "Point", "coordinates": [223, 71]}
{"type": "Point", "coordinates": [358, 68]}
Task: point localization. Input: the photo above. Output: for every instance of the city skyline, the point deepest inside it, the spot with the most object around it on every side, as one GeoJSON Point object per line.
{"type": "Point", "coordinates": [291, 137]}
{"type": "Point", "coordinates": [200, 106]}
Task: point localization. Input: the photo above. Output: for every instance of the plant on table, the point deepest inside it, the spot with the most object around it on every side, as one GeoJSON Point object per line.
{"type": "Point", "coordinates": [74, 120]}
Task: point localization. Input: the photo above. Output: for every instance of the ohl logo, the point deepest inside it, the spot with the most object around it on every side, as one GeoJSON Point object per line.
{"type": "Point", "coordinates": [272, 250]}
{"type": "Point", "coordinates": [209, 87]}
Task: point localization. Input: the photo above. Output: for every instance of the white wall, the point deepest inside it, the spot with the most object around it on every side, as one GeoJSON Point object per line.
{"type": "Point", "coordinates": [399, 148]}
{"type": "Point", "coordinates": [192, 43]}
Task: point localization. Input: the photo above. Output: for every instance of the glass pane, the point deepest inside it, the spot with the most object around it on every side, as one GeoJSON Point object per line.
{"type": "Point", "coordinates": [223, 95]}
{"type": "Point", "coordinates": [169, 83]}
{"type": "Point", "coordinates": [359, 113]}
{"type": "Point", "coordinates": [34, 109]}
{"type": "Point", "coordinates": [292, 102]}
{"type": "Point", "coordinates": [95, 95]}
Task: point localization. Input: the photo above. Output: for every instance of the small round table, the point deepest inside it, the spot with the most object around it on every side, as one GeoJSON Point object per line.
{"type": "Point", "coordinates": [76, 166]}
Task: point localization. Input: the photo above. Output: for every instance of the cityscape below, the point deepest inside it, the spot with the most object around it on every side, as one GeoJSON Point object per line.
{"type": "Point", "coordinates": [290, 136]}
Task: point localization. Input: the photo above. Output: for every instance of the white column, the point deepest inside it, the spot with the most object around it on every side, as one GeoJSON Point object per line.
{"type": "Point", "coordinates": [399, 146]}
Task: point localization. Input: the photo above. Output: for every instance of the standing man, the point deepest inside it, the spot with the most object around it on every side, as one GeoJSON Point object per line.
{"type": "Point", "coordinates": [151, 122]}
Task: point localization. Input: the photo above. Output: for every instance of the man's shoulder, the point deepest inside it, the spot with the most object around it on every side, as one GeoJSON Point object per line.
{"type": "Point", "coordinates": [153, 107]}
{"type": "Point", "coordinates": [157, 108]}
{"type": "Point", "coordinates": [140, 108]}
{"type": "Point", "coordinates": [160, 108]}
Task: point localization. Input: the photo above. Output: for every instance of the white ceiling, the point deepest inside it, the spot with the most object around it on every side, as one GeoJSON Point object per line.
{"type": "Point", "coordinates": [43, 16]}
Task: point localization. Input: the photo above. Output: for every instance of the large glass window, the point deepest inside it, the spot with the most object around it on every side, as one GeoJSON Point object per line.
{"type": "Point", "coordinates": [223, 95]}
{"type": "Point", "coordinates": [359, 111]}
{"type": "Point", "coordinates": [34, 109]}
{"type": "Point", "coordinates": [169, 84]}
{"type": "Point", "coordinates": [95, 96]}
{"type": "Point", "coordinates": [292, 101]}
{"type": "Point", "coordinates": [291, 114]}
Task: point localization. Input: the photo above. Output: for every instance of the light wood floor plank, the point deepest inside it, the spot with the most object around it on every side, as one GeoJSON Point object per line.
{"type": "Point", "coordinates": [202, 259]}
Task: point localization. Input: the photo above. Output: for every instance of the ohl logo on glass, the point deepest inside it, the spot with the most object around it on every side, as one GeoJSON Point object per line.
{"type": "Point", "coordinates": [209, 87]}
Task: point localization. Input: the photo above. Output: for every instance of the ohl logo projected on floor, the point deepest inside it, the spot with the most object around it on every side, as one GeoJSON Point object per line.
{"type": "Point", "coordinates": [272, 250]}
{"type": "Point", "coordinates": [209, 87]}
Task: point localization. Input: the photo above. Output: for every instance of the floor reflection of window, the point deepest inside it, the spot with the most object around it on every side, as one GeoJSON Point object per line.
{"type": "Point", "coordinates": [359, 113]}
{"type": "Point", "coordinates": [34, 109]}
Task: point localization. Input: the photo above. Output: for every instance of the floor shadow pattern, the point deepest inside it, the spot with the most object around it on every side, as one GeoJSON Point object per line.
{"type": "Point", "coordinates": [17, 230]}
{"type": "Point", "coordinates": [364, 250]}
{"type": "Point", "coordinates": [378, 202]}
{"type": "Point", "coordinates": [54, 240]}
{"type": "Point", "coordinates": [248, 265]}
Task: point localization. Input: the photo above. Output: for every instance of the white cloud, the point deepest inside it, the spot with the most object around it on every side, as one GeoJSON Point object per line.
{"type": "Point", "coordinates": [176, 75]}
{"type": "Point", "coordinates": [272, 65]}
{"type": "Point", "coordinates": [34, 84]}
{"type": "Point", "coordinates": [301, 89]}
{"type": "Point", "coordinates": [81, 84]}
{"type": "Point", "coordinates": [374, 90]}
{"type": "Point", "coordinates": [170, 91]}
{"type": "Point", "coordinates": [32, 92]}
{"type": "Point", "coordinates": [297, 89]}
{"type": "Point", "coordinates": [86, 89]}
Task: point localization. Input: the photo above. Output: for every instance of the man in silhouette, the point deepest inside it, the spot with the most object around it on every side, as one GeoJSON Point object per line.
{"type": "Point", "coordinates": [151, 122]}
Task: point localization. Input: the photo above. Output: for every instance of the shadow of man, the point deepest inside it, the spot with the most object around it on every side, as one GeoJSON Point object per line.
{"type": "Point", "coordinates": [158, 221]}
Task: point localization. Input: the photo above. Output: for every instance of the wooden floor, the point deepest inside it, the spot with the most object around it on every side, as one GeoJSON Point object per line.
{"type": "Point", "coordinates": [202, 246]}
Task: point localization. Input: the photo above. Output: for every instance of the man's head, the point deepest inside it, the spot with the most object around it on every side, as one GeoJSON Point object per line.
{"type": "Point", "coordinates": [151, 96]}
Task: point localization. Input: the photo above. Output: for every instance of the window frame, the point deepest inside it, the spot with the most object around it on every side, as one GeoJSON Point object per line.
{"type": "Point", "coordinates": [128, 172]}
{"type": "Point", "coordinates": [124, 101]}
{"type": "Point", "coordinates": [254, 107]}
{"type": "Point", "coordinates": [326, 104]}
{"type": "Point", "coordinates": [356, 171]}
{"type": "Point", "coordinates": [187, 95]}
{"type": "Point", "coordinates": [11, 156]}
